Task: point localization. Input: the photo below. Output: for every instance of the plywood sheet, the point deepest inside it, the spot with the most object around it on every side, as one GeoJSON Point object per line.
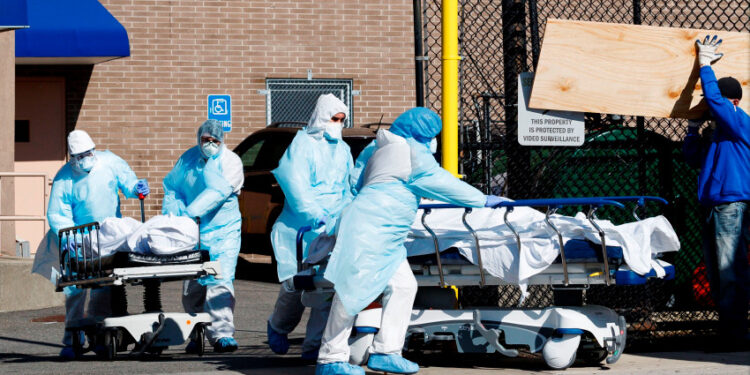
{"type": "Point", "coordinates": [631, 69]}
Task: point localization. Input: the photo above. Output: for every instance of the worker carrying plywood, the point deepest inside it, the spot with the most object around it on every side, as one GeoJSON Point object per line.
{"type": "Point", "coordinates": [723, 154]}
{"type": "Point", "coordinates": [629, 69]}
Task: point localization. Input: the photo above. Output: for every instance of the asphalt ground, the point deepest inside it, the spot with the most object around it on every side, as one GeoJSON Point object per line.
{"type": "Point", "coordinates": [30, 343]}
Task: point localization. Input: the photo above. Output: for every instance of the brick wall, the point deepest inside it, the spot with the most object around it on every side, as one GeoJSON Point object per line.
{"type": "Point", "coordinates": [147, 107]}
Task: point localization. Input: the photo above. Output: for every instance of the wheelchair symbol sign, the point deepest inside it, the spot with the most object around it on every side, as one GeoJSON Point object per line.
{"type": "Point", "coordinates": [220, 109]}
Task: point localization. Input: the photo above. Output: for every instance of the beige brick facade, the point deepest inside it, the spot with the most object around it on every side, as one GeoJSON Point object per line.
{"type": "Point", "coordinates": [147, 107]}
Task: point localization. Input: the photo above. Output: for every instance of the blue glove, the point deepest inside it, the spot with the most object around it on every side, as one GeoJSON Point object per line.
{"type": "Point", "coordinates": [494, 200]}
{"type": "Point", "coordinates": [142, 188]}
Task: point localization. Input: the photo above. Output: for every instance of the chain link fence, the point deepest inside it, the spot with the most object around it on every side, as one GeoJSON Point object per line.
{"type": "Point", "coordinates": [622, 155]}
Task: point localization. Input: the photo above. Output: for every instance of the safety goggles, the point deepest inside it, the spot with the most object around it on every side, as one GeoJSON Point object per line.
{"type": "Point", "coordinates": [83, 154]}
{"type": "Point", "coordinates": [213, 140]}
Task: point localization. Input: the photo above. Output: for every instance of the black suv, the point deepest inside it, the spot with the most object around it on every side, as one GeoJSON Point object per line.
{"type": "Point", "coordinates": [261, 199]}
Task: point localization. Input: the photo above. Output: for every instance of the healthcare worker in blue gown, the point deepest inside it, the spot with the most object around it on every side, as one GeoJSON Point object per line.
{"type": "Point", "coordinates": [84, 190]}
{"type": "Point", "coordinates": [369, 257]}
{"type": "Point", "coordinates": [205, 184]}
{"type": "Point", "coordinates": [313, 173]}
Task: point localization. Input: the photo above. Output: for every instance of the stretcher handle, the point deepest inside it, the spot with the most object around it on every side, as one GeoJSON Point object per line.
{"type": "Point", "coordinates": [300, 235]}
{"type": "Point", "coordinates": [591, 216]}
{"type": "Point", "coordinates": [551, 210]}
{"type": "Point", "coordinates": [143, 215]}
{"type": "Point", "coordinates": [641, 199]}
{"type": "Point", "coordinates": [426, 212]}
{"type": "Point", "coordinates": [476, 242]}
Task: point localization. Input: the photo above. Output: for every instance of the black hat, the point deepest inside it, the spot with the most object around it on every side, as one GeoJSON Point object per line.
{"type": "Point", "coordinates": [730, 88]}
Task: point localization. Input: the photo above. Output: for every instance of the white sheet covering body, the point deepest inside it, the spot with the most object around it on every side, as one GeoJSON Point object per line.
{"type": "Point", "coordinates": [164, 235]}
{"type": "Point", "coordinates": [640, 240]}
{"type": "Point", "coordinates": [160, 235]}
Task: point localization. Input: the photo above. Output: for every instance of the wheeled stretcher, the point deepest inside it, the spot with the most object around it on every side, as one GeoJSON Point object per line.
{"type": "Point", "coordinates": [151, 331]}
{"type": "Point", "coordinates": [593, 333]}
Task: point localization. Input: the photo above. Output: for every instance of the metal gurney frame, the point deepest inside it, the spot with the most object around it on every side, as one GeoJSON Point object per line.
{"type": "Point", "coordinates": [153, 330]}
{"type": "Point", "coordinates": [565, 273]}
{"type": "Point", "coordinates": [593, 333]}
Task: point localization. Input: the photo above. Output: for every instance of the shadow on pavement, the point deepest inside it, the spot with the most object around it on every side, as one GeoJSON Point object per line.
{"type": "Point", "coordinates": [256, 271]}
{"type": "Point", "coordinates": [35, 342]}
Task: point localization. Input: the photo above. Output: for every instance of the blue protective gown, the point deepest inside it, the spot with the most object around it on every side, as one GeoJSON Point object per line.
{"type": "Point", "coordinates": [208, 189]}
{"type": "Point", "coordinates": [197, 187]}
{"type": "Point", "coordinates": [314, 176]}
{"type": "Point", "coordinates": [372, 229]}
{"type": "Point", "coordinates": [78, 198]}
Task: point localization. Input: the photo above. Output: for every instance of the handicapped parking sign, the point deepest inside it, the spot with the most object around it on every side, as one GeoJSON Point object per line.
{"type": "Point", "coordinates": [220, 109]}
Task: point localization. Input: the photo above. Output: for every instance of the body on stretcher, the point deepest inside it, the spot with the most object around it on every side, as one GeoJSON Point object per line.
{"type": "Point", "coordinates": [153, 331]}
{"type": "Point", "coordinates": [558, 332]}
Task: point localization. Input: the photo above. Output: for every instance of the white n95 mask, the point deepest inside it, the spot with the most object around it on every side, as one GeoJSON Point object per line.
{"type": "Point", "coordinates": [433, 145]}
{"type": "Point", "coordinates": [209, 149]}
{"type": "Point", "coordinates": [86, 163]}
{"type": "Point", "coordinates": [333, 129]}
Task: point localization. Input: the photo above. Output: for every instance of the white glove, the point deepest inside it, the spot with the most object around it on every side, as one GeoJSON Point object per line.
{"type": "Point", "coordinates": [694, 124]}
{"type": "Point", "coordinates": [707, 50]}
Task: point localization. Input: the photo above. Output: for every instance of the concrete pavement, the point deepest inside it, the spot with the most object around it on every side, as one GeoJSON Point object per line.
{"type": "Point", "coordinates": [30, 341]}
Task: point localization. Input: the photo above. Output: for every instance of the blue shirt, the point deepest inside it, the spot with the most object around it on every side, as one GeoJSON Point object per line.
{"type": "Point", "coordinates": [725, 168]}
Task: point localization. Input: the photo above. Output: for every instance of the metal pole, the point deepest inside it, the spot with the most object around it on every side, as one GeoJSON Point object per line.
{"type": "Point", "coordinates": [534, 17]}
{"type": "Point", "coordinates": [640, 121]}
{"type": "Point", "coordinates": [419, 57]}
{"type": "Point", "coordinates": [450, 59]}
{"type": "Point", "coordinates": [514, 62]}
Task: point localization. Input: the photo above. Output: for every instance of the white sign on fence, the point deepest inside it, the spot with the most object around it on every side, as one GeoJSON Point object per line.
{"type": "Point", "coordinates": [545, 127]}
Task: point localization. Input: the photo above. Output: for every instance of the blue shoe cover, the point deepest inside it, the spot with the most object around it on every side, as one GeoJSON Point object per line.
{"type": "Point", "coordinates": [191, 348]}
{"type": "Point", "coordinates": [277, 341]}
{"type": "Point", "coordinates": [392, 363]}
{"type": "Point", "coordinates": [225, 345]}
{"type": "Point", "coordinates": [67, 353]}
{"type": "Point", "coordinates": [338, 368]}
{"type": "Point", "coordinates": [310, 355]}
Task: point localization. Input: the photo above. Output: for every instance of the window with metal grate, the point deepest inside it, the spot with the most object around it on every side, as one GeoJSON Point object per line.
{"type": "Point", "coordinates": [293, 100]}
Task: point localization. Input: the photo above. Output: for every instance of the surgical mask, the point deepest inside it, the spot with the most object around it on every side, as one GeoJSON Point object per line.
{"type": "Point", "coordinates": [86, 163]}
{"type": "Point", "coordinates": [433, 145]}
{"type": "Point", "coordinates": [209, 149]}
{"type": "Point", "coordinates": [333, 129]}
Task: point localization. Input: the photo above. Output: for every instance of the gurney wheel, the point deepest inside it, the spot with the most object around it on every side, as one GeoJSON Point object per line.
{"type": "Point", "coordinates": [200, 339]}
{"type": "Point", "coordinates": [560, 352]}
{"type": "Point", "coordinates": [110, 342]}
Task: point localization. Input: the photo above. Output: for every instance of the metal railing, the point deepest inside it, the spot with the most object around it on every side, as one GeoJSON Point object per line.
{"type": "Point", "coordinates": [43, 217]}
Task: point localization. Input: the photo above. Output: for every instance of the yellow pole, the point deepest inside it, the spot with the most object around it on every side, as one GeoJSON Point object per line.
{"type": "Point", "coordinates": [450, 86]}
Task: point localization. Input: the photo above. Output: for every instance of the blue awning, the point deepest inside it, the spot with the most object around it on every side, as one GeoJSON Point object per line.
{"type": "Point", "coordinates": [13, 15]}
{"type": "Point", "coordinates": [70, 32]}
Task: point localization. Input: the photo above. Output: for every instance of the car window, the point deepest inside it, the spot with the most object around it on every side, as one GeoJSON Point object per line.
{"type": "Point", "coordinates": [265, 152]}
{"type": "Point", "coordinates": [249, 157]}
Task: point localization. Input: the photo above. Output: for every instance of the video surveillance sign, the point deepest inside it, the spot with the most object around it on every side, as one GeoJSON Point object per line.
{"type": "Point", "coordinates": [538, 127]}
